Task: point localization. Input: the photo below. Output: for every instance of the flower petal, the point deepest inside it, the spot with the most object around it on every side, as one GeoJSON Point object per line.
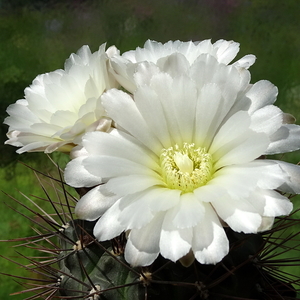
{"type": "Point", "coordinates": [119, 106]}
{"type": "Point", "coordinates": [226, 50]}
{"type": "Point", "coordinates": [142, 246]}
{"type": "Point", "coordinates": [212, 244]}
{"type": "Point", "coordinates": [237, 144]}
{"type": "Point", "coordinates": [245, 62]}
{"type": "Point", "coordinates": [285, 139]}
{"type": "Point", "coordinates": [109, 166]}
{"type": "Point", "coordinates": [239, 214]}
{"type": "Point", "coordinates": [135, 211]}
{"type": "Point", "coordinates": [188, 212]}
{"type": "Point", "coordinates": [102, 143]}
{"type": "Point", "coordinates": [131, 184]}
{"type": "Point", "coordinates": [174, 243]}
{"type": "Point", "coordinates": [267, 119]}
{"type": "Point", "coordinates": [262, 93]}
{"type": "Point", "coordinates": [276, 204]}
{"type": "Point", "coordinates": [95, 203]}
{"type": "Point", "coordinates": [76, 174]}
{"type": "Point", "coordinates": [108, 226]}
{"type": "Point", "coordinates": [292, 183]}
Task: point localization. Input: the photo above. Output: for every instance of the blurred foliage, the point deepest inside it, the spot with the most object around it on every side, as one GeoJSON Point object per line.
{"type": "Point", "coordinates": [36, 36]}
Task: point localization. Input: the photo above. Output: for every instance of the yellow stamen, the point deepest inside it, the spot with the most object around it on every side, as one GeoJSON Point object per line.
{"type": "Point", "coordinates": [186, 168]}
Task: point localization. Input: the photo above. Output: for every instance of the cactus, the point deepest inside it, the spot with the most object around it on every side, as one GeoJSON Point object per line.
{"type": "Point", "coordinates": [174, 108]}
{"type": "Point", "coordinates": [80, 267]}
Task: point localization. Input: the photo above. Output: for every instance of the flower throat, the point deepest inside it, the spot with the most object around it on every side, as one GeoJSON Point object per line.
{"type": "Point", "coordinates": [185, 168]}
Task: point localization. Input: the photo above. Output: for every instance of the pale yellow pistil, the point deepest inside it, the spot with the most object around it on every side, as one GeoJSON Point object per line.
{"type": "Point", "coordinates": [186, 168]}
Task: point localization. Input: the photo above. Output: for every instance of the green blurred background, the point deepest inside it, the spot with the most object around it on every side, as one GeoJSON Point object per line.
{"type": "Point", "coordinates": [36, 36]}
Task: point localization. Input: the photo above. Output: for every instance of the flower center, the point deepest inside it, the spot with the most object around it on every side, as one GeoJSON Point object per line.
{"type": "Point", "coordinates": [186, 168]}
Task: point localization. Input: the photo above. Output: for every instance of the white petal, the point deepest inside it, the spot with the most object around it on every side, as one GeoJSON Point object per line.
{"type": "Point", "coordinates": [58, 93]}
{"type": "Point", "coordinates": [292, 183]}
{"type": "Point", "coordinates": [135, 257]}
{"type": "Point", "coordinates": [245, 62]}
{"type": "Point", "coordinates": [262, 93]}
{"type": "Point", "coordinates": [237, 144]}
{"type": "Point", "coordinates": [174, 243]}
{"type": "Point", "coordinates": [242, 150]}
{"type": "Point", "coordinates": [149, 104]}
{"type": "Point", "coordinates": [207, 69]}
{"type": "Point", "coordinates": [184, 99]}
{"type": "Point", "coordinates": [49, 130]}
{"type": "Point", "coordinates": [276, 204]}
{"type": "Point", "coordinates": [108, 226]}
{"type": "Point", "coordinates": [174, 64]}
{"type": "Point", "coordinates": [94, 203]}
{"type": "Point", "coordinates": [142, 247]}
{"type": "Point", "coordinates": [162, 199]}
{"type": "Point", "coordinates": [162, 84]}
{"type": "Point", "coordinates": [119, 107]}
{"type": "Point", "coordinates": [241, 180]}
{"type": "Point", "coordinates": [123, 72]}
{"type": "Point", "coordinates": [210, 192]}
{"type": "Point", "coordinates": [20, 115]}
{"type": "Point", "coordinates": [209, 114]}
{"type": "Point", "coordinates": [144, 72]}
{"type": "Point", "coordinates": [121, 134]}
{"type": "Point", "coordinates": [239, 214]}
{"type": "Point", "coordinates": [76, 174]}
{"type": "Point", "coordinates": [102, 143]}
{"type": "Point", "coordinates": [226, 50]}
{"type": "Point", "coordinates": [210, 243]}
{"type": "Point", "coordinates": [188, 212]}
{"type": "Point", "coordinates": [31, 146]}
{"type": "Point", "coordinates": [135, 211]}
{"type": "Point", "coordinates": [269, 203]}
{"type": "Point", "coordinates": [103, 166]}
{"type": "Point", "coordinates": [267, 119]}
{"type": "Point", "coordinates": [140, 208]}
{"type": "Point", "coordinates": [272, 176]}
{"type": "Point", "coordinates": [230, 131]}
{"type": "Point", "coordinates": [131, 184]}
{"type": "Point", "coordinates": [285, 139]}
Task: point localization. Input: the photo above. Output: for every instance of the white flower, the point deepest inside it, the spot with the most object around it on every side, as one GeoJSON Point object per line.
{"type": "Point", "coordinates": [184, 160]}
{"type": "Point", "coordinates": [59, 107]}
{"type": "Point", "coordinates": [127, 65]}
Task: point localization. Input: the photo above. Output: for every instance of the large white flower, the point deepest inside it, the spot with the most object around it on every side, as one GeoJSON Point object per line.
{"type": "Point", "coordinates": [183, 162]}
{"type": "Point", "coordinates": [126, 66]}
{"type": "Point", "coordinates": [59, 107]}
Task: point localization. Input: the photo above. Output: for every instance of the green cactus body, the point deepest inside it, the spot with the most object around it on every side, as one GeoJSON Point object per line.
{"type": "Point", "coordinates": [93, 270]}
